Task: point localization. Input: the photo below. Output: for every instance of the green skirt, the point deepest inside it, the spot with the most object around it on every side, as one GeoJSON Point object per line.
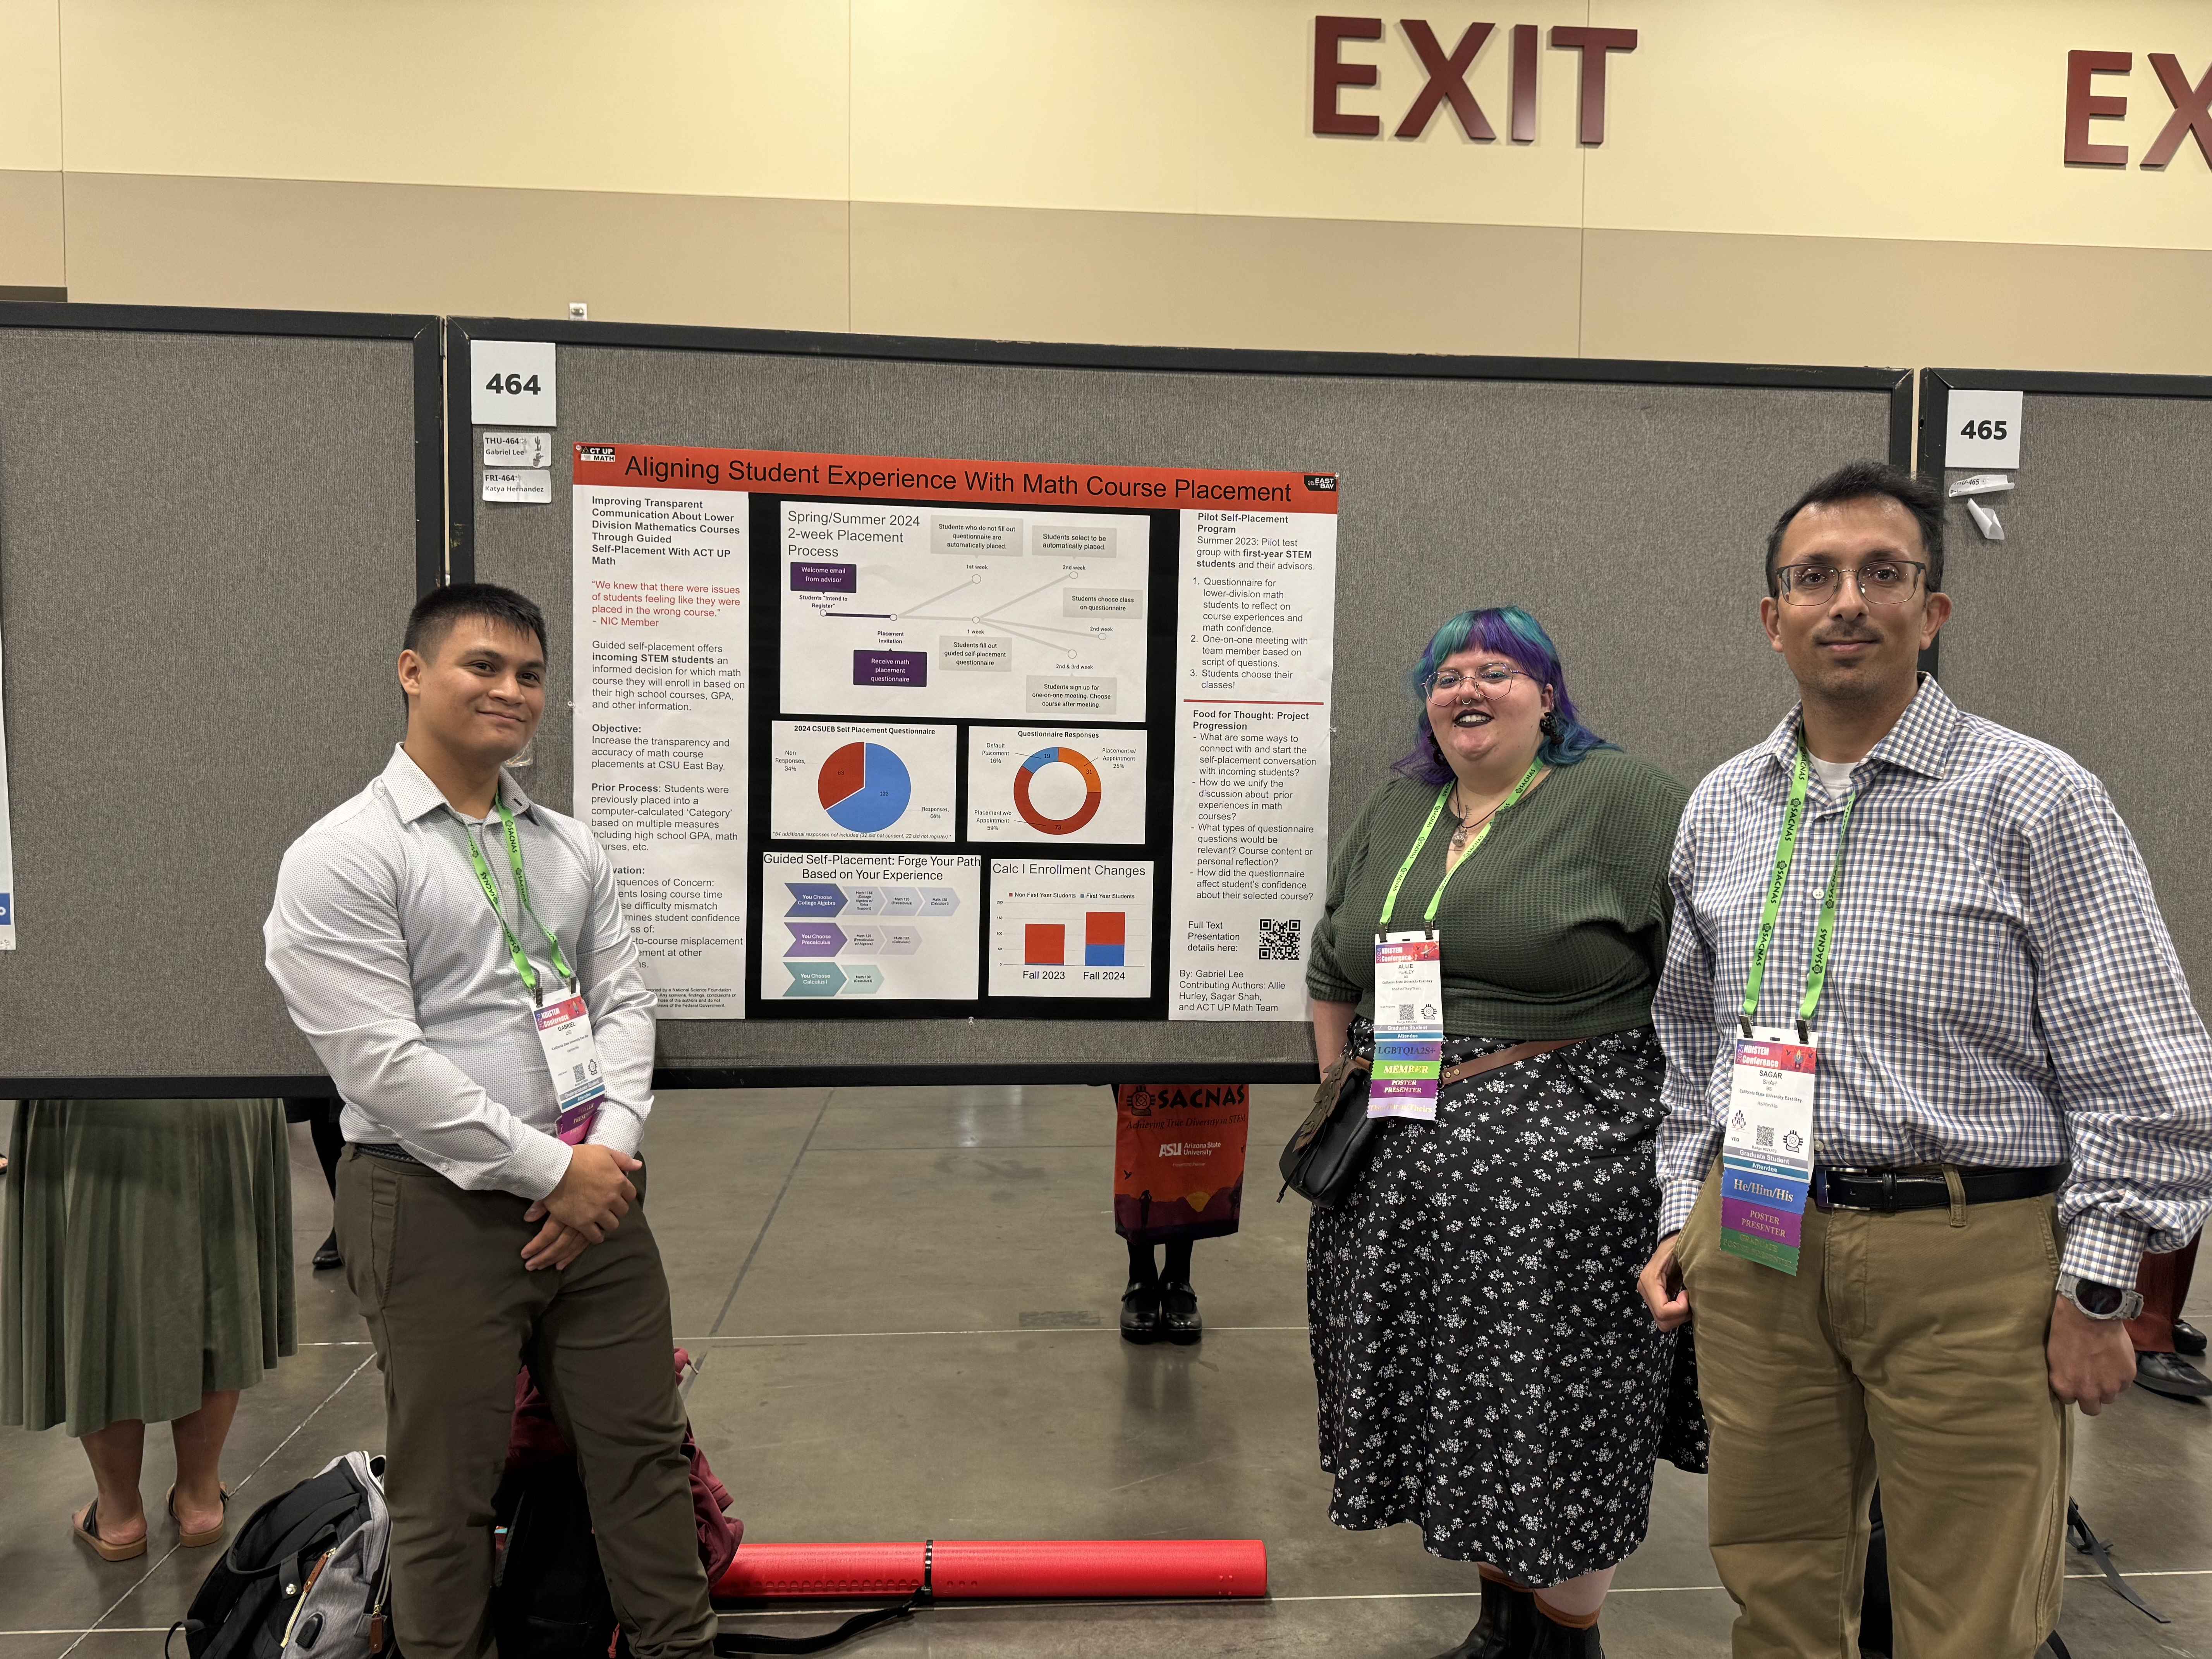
{"type": "Point", "coordinates": [149, 1258]}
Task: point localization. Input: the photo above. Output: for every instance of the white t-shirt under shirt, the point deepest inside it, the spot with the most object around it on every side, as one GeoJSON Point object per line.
{"type": "Point", "coordinates": [1837, 775]}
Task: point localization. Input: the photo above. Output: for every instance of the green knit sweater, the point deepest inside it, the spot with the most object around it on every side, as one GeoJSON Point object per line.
{"type": "Point", "coordinates": [1554, 927]}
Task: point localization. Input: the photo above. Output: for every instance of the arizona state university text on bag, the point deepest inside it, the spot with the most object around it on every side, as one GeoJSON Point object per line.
{"type": "Point", "coordinates": [1179, 1159]}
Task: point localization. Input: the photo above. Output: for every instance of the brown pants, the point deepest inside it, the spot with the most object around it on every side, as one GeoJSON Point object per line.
{"type": "Point", "coordinates": [1909, 1348]}
{"type": "Point", "coordinates": [2164, 1282]}
{"type": "Point", "coordinates": [438, 1275]}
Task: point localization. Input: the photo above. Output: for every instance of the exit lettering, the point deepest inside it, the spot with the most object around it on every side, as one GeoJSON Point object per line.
{"type": "Point", "coordinates": [2191, 117]}
{"type": "Point", "coordinates": [1447, 71]}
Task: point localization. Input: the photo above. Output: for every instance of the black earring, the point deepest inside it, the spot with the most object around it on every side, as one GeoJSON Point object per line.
{"type": "Point", "coordinates": [1549, 725]}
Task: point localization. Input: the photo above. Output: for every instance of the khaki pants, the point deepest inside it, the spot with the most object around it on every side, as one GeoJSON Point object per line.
{"type": "Point", "coordinates": [1908, 1348]}
{"type": "Point", "coordinates": [438, 1275]}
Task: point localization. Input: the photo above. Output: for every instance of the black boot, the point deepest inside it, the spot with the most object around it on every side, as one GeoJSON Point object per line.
{"type": "Point", "coordinates": [1508, 1621]}
{"type": "Point", "coordinates": [1140, 1312]}
{"type": "Point", "coordinates": [1553, 1640]}
{"type": "Point", "coordinates": [1179, 1319]}
{"type": "Point", "coordinates": [326, 1254]}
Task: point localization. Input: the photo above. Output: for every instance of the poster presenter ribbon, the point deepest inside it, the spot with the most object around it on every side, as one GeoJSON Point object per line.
{"type": "Point", "coordinates": [1766, 1155]}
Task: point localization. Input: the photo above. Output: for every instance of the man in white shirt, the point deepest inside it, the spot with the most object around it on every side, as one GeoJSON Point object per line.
{"type": "Point", "coordinates": [440, 939]}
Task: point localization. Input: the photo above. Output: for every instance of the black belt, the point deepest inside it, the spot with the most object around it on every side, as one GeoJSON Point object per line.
{"type": "Point", "coordinates": [1888, 1191]}
{"type": "Point", "coordinates": [387, 1150]}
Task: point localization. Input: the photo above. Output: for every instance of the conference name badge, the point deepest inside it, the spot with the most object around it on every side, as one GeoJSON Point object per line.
{"type": "Point", "coordinates": [1766, 1150]}
{"type": "Point", "coordinates": [1409, 1026]}
{"type": "Point", "coordinates": [564, 1032]}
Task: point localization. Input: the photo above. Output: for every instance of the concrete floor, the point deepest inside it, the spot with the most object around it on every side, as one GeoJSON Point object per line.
{"type": "Point", "coordinates": [904, 1299]}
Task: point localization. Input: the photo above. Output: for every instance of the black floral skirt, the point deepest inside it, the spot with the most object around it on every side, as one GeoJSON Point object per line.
{"type": "Point", "coordinates": [1486, 1367]}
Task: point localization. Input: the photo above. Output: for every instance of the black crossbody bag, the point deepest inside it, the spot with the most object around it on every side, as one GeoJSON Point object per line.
{"type": "Point", "coordinates": [1328, 1151]}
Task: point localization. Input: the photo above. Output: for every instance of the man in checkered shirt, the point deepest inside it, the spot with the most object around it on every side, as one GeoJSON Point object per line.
{"type": "Point", "coordinates": [2013, 1104]}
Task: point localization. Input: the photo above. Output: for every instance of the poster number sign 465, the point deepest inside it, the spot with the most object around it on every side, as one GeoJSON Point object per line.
{"type": "Point", "coordinates": [1983, 429]}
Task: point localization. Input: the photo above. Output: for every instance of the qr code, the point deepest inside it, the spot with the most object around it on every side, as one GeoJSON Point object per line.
{"type": "Point", "coordinates": [1405, 1013]}
{"type": "Point", "coordinates": [1765, 1136]}
{"type": "Point", "coordinates": [1278, 940]}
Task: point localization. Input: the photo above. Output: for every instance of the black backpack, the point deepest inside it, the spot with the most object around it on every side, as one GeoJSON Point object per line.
{"type": "Point", "coordinates": [550, 1599]}
{"type": "Point", "coordinates": [307, 1577]}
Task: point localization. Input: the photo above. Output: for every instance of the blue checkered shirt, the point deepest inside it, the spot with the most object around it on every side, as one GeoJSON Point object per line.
{"type": "Point", "coordinates": [2002, 991]}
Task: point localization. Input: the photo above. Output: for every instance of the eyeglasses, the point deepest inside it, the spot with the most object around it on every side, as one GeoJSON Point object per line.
{"type": "Point", "coordinates": [1881, 581]}
{"type": "Point", "coordinates": [1492, 679]}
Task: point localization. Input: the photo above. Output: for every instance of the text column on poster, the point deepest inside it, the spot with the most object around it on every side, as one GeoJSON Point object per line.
{"type": "Point", "coordinates": [1255, 653]}
{"type": "Point", "coordinates": [662, 774]}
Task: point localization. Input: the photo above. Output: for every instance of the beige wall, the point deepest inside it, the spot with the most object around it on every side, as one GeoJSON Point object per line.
{"type": "Point", "coordinates": [1855, 181]}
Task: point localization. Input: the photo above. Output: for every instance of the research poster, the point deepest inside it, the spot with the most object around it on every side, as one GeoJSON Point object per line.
{"type": "Point", "coordinates": [1009, 739]}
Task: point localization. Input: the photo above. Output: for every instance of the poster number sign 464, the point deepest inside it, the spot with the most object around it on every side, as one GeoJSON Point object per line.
{"type": "Point", "coordinates": [511, 382]}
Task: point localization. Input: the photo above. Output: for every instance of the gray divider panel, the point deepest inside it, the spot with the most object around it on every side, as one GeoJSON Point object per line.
{"type": "Point", "coordinates": [2083, 627]}
{"type": "Point", "coordinates": [207, 548]}
{"type": "Point", "coordinates": [1630, 517]}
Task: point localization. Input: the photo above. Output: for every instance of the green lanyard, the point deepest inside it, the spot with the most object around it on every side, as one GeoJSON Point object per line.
{"type": "Point", "coordinates": [522, 962]}
{"type": "Point", "coordinates": [1429, 916]}
{"type": "Point", "coordinates": [1824, 931]}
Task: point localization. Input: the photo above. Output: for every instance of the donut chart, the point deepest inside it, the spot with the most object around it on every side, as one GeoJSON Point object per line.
{"type": "Point", "coordinates": [864, 787]}
{"type": "Point", "coordinates": [1092, 791]}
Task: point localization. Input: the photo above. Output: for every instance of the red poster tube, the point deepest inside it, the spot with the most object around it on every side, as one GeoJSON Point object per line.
{"type": "Point", "coordinates": [1041, 1570]}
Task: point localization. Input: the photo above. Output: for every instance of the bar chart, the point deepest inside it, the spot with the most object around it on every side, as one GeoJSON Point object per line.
{"type": "Point", "coordinates": [1071, 929]}
{"type": "Point", "coordinates": [1104, 942]}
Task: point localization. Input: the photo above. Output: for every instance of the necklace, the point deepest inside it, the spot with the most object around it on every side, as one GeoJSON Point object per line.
{"type": "Point", "coordinates": [1465, 833]}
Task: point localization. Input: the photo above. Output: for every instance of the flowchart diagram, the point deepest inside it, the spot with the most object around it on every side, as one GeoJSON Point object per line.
{"type": "Point", "coordinates": [894, 926]}
{"type": "Point", "coordinates": [966, 612]}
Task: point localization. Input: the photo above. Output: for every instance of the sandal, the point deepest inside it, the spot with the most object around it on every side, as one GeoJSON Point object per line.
{"type": "Point", "coordinates": [88, 1532]}
{"type": "Point", "coordinates": [193, 1540]}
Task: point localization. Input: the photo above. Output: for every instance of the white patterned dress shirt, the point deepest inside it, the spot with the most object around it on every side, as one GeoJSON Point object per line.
{"type": "Point", "coordinates": [393, 967]}
{"type": "Point", "coordinates": [2002, 991]}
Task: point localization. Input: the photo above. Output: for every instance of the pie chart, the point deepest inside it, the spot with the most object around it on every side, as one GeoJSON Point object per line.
{"type": "Point", "coordinates": [1092, 792]}
{"type": "Point", "coordinates": [864, 787]}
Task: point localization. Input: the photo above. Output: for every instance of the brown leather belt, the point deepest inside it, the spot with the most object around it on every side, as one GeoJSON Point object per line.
{"type": "Point", "coordinates": [1888, 1191]}
{"type": "Point", "coordinates": [1497, 1060]}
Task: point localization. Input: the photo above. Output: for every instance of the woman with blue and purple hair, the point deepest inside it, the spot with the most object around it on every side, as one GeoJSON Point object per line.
{"type": "Point", "coordinates": [1487, 1369]}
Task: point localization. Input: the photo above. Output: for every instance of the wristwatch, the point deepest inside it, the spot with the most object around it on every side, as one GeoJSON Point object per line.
{"type": "Point", "coordinates": [2100, 1301]}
